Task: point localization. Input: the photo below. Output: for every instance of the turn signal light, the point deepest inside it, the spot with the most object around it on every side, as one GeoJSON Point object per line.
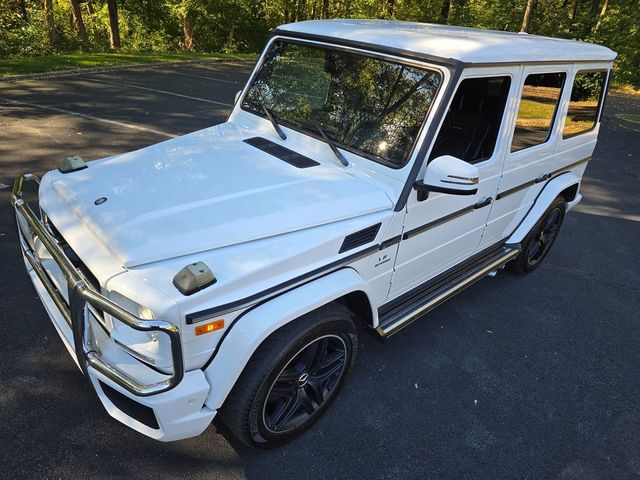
{"type": "Point", "coordinates": [209, 327]}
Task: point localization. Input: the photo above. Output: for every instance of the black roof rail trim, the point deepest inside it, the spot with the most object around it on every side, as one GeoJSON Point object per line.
{"type": "Point", "coordinates": [372, 47]}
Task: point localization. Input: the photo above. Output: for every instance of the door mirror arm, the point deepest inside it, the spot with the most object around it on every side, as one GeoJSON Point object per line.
{"type": "Point", "coordinates": [423, 190]}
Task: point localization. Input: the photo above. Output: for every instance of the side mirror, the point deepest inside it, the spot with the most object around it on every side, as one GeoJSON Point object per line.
{"type": "Point", "coordinates": [449, 174]}
{"type": "Point", "coordinates": [237, 97]}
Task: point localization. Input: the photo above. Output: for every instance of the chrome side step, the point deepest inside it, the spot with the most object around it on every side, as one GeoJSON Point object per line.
{"type": "Point", "coordinates": [439, 291]}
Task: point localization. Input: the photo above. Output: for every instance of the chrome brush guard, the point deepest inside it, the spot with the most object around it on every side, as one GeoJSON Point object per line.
{"type": "Point", "coordinates": [80, 293]}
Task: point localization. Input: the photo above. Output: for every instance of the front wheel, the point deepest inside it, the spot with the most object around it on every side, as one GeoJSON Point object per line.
{"type": "Point", "coordinates": [539, 240]}
{"type": "Point", "coordinates": [292, 378]}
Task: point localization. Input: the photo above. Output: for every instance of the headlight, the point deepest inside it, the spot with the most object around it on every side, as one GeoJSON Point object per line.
{"type": "Point", "coordinates": [153, 348]}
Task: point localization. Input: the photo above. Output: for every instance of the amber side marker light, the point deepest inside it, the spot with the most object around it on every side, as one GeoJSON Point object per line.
{"type": "Point", "coordinates": [209, 327]}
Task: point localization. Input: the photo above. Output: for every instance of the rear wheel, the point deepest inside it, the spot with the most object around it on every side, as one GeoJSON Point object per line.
{"type": "Point", "coordinates": [539, 240]}
{"type": "Point", "coordinates": [292, 378]}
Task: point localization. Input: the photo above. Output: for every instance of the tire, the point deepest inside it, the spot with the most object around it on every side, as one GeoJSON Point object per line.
{"type": "Point", "coordinates": [540, 239]}
{"type": "Point", "coordinates": [285, 388]}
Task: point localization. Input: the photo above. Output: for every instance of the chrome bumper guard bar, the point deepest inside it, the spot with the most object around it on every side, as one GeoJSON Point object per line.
{"type": "Point", "coordinates": [81, 293]}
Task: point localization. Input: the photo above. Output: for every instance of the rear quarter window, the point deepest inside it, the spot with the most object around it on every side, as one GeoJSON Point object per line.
{"type": "Point", "coordinates": [586, 96]}
{"type": "Point", "coordinates": [538, 105]}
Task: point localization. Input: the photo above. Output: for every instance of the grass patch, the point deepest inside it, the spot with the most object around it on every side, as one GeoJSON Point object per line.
{"type": "Point", "coordinates": [630, 117]}
{"type": "Point", "coordinates": [52, 63]}
{"type": "Point", "coordinates": [625, 89]}
{"type": "Point", "coordinates": [530, 109]}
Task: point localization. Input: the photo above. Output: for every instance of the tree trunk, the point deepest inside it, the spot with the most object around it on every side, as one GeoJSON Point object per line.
{"type": "Point", "coordinates": [78, 23]}
{"type": "Point", "coordinates": [444, 11]}
{"type": "Point", "coordinates": [602, 14]}
{"type": "Point", "coordinates": [51, 27]}
{"type": "Point", "coordinates": [302, 10]}
{"type": "Point", "coordinates": [595, 6]}
{"type": "Point", "coordinates": [187, 33]}
{"type": "Point", "coordinates": [23, 11]}
{"type": "Point", "coordinates": [390, 7]}
{"type": "Point", "coordinates": [574, 9]}
{"type": "Point", "coordinates": [114, 32]}
{"type": "Point", "coordinates": [527, 16]}
{"type": "Point", "coordinates": [230, 36]}
{"type": "Point", "coordinates": [325, 8]}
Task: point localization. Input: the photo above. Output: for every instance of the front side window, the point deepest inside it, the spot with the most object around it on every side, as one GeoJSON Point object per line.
{"type": "Point", "coordinates": [470, 129]}
{"type": "Point", "coordinates": [367, 105]}
{"type": "Point", "coordinates": [538, 104]}
{"type": "Point", "coordinates": [586, 95]}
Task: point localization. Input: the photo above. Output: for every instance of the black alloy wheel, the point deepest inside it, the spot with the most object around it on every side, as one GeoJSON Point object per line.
{"type": "Point", "coordinates": [304, 384]}
{"type": "Point", "coordinates": [545, 236]}
{"type": "Point", "coordinates": [540, 238]}
{"type": "Point", "coordinates": [292, 378]}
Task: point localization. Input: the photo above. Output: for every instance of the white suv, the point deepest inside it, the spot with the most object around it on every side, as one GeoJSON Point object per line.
{"type": "Point", "coordinates": [369, 171]}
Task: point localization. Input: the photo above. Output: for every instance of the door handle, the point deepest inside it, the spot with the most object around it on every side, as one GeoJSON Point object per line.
{"type": "Point", "coordinates": [483, 203]}
{"type": "Point", "coordinates": [542, 178]}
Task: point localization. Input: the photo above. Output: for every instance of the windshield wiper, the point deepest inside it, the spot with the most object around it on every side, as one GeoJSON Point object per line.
{"type": "Point", "coordinates": [332, 145]}
{"type": "Point", "coordinates": [273, 121]}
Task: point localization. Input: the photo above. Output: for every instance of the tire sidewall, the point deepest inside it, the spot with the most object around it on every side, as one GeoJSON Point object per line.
{"type": "Point", "coordinates": [558, 203]}
{"type": "Point", "coordinates": [336, 325]}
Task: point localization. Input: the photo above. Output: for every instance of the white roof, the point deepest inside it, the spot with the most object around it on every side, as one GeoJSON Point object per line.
{"type": "Point", "coordinates": [468, 45]}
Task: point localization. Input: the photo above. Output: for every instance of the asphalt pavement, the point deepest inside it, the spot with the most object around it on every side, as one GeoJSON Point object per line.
{"type": "Point", "coordinates": [533, 377]}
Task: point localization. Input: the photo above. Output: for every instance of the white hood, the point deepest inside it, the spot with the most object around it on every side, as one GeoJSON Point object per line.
{"type": "Point", "coordinates": [204, 191]}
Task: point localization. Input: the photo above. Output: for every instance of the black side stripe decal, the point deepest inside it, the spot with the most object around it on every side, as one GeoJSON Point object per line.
{"type": "Point", "coordinates": [392, 241]}
{"type": "Point", "coordinates": [439, 221]}
{"type": "Point", "coordinates": [252, 299]}
{"type": "Point", "coordinates": [540, 179]}
{"type": "Point", "coordinates": [515, 189]}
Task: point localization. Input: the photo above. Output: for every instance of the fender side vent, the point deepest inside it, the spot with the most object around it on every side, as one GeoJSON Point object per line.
{"type": "Point", "coordinates": [283, 153]}
{"type": "Point", "coordinates": [362, 237]}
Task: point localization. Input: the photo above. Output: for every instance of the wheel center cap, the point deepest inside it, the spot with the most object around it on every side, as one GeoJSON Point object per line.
{"type": "Point", "coordinates": [303, 380]}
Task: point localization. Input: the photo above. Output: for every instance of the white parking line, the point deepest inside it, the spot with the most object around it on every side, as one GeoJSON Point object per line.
{"type": "Point", "coordinates": [130, 85]}
{"type": "Point", "coordinates": [213, 79]}
{"type": "Point", "coordinates": [89, 117]}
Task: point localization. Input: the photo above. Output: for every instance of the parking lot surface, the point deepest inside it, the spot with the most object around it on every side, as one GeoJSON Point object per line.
{"type": "Point", "coordinates": [533, 377]}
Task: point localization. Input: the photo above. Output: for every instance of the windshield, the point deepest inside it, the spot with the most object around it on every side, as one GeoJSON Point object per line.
{"type": "Point", "coordinates": [366, 105]}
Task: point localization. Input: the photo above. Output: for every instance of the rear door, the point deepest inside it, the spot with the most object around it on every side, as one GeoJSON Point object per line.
{"type": "Point", "coordinates": [530, 150]}
{"type": "Point", "coordinates": [444, 229]}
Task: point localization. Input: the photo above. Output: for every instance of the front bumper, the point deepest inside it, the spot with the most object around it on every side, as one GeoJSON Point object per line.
{"type": "Point", "coordinates": [171, 406]}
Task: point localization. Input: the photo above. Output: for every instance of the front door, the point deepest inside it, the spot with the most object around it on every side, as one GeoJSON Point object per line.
{"type": "Point", "coordinates": [445, 229]}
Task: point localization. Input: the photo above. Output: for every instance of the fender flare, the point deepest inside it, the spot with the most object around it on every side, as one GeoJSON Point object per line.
{"type": "Point", "coordinates": [551, 190]}
{"type": "Point", "coordinates": [256, 324]}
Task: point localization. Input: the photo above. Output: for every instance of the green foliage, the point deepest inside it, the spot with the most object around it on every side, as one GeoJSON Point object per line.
{"type": "Point", "coordinates": [48, 63]}
{"type": "Point", "coordinates": [243, 25]}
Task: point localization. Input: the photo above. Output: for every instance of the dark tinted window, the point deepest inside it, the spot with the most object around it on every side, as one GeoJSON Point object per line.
{"type": "Point", "coordinates": [367, 105]}
{"type": "Point", "coordinates": [586, 95]}
{"type": "Point", "coordinates": [540, 96]}
{"type": "Point", "coordinates": [472, 124]}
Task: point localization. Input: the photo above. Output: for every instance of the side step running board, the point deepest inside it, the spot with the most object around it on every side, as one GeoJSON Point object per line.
{"type": "Point", "coordinates": [441, 290]}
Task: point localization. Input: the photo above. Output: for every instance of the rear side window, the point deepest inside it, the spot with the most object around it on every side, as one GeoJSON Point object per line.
{"type": "Point", "coordinates": [586, 96]}
{"type": "Point", "coordinates": [540, 96]}
{"type": "Point", "coordinates": [471, 127]}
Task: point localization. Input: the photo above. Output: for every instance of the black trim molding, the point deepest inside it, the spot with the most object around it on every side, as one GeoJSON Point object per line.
{"type": "Point", "coordinates": [439, 221]}
{"type": "Point", "coordinates": [251, 300]}
{"type": "Point", "coordinates": [542, 178]}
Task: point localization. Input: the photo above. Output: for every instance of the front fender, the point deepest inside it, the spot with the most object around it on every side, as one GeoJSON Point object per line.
{"type": "Point", "coordinates": [546, 196]}
{"type": "Point", "coordinates": [255, 325]}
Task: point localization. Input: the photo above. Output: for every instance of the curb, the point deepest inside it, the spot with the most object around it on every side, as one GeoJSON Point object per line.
{"type": "Point", "coordinates": [80, 71]}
